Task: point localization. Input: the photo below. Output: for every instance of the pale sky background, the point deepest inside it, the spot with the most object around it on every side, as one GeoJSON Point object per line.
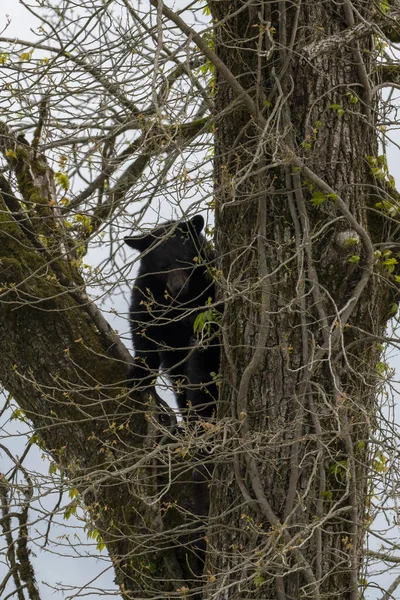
{"type": "Point", "coordinates": [53, 565]}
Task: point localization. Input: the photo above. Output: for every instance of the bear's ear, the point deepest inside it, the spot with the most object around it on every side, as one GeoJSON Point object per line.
{"type": "Point", "coordinates": [197, 223]}
{"type": "Point", "coordinates": [140, 242]}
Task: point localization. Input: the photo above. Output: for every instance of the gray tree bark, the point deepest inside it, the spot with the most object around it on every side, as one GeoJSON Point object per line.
{"type": "Point", "coordinates": [306, 304]}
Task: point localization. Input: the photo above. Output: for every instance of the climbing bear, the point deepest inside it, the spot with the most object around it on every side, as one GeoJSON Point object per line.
{"type": "Point", "coordinates": [172, 288]}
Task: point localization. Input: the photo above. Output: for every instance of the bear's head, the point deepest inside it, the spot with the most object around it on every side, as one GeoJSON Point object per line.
{"type": "Point", "coordinates": [171, 253]}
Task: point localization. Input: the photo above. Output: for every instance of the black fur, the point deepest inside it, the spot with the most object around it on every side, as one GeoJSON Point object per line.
{"type": "Point", "coordinates": [172, 287]}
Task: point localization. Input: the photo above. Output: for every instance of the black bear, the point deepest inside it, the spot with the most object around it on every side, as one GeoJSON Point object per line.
{"type": "Point", "coordinates": [172, 288]}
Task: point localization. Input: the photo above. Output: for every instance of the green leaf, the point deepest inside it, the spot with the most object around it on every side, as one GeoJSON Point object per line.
{"type": "Point", "coordinates": [84, 221]}
{"type": "Point", "coordinates": [352, 98]}
{"type": "Point", "coordinates": [377, 172]}
{"type": "Point", "coordinates": [259, 580]}
{"type": "Point", "coordinates": [203, 319]}
{"type": "Point", "coordinates": [382, 367]}
{"type": "Point", "coordinates": [70, 510]}
{"type": "Point", "coordinates": [384, 5]}
{"type": "Point", "coordinates": [318, 198]}
{"type": "Point", "coordinates": [352, 241]}
{"type": "Point", "coordinates": [18, 415]}
{"type": "Point", "coordinates": [339, 470]}
{"type": "Point", "coordinates": [379, 462]}
{"type": "Point", "coordinates": [390, 264]}
{"type": "Point", "coordinates": [53, 468]}
{"type": "Point", "coordinates": [94, 534]}
{"type": "Point", "coordinates": [73, 493]}
{"type": "Point", "coordinates": [62, 180]}
{"type": "Point", "coordinates": [36, 439]}
{"type": "Point", "coordinates": [26, 56]}
{"type": "Point", "coordinates": [337, 108]}
{"type": "Point", "coordinates": [382, 162]}
{"type": "Point", "coordinates": [354, 259]}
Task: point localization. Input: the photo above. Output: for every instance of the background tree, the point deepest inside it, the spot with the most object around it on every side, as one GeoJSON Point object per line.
{"type": "Point", "coordinates": [107, 120]}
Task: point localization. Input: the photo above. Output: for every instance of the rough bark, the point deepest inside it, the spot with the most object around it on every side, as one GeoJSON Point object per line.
{"type": "Point", "coordinates": [66, 368]}
{"type": "Point", "coordinates": [304, 307]}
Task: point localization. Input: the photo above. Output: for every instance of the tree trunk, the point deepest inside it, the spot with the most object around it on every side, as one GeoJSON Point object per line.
{"type": "Point", "coordinates": [289, 494]}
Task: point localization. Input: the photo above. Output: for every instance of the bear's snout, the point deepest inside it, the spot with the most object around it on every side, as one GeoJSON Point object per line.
{"type": "Point", "coordinates": [178, 282]}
